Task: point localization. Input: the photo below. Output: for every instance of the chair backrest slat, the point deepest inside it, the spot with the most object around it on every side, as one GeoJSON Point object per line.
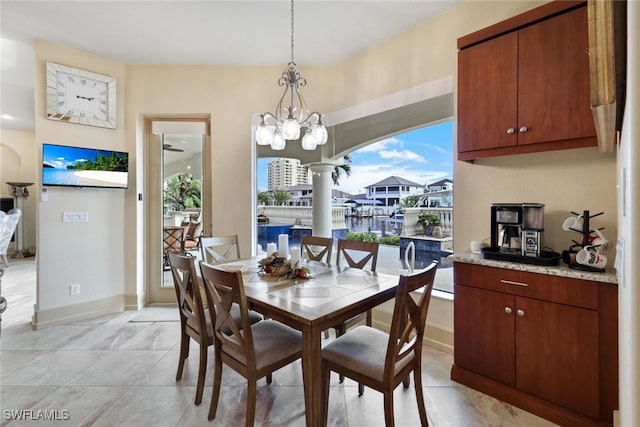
{"type": "Point", "coordinates": [223, 288]}
{"type": "Point", "coordinates": [317, 248]}
{"type": "Point", "coordinates": [357, 254]}
{"type": "Point", "coordinates": [218, 249]}
{"type": "Point", "coordinates": [188, 294]}
{"type": "Point", "coordinates": [409, 317]}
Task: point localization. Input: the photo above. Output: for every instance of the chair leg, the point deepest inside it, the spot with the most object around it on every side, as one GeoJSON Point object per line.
{"type": "Point", "coordinates": [184, 353]}
{"type": "Point", "coordinates": [417, 379]}
{"type": "Point", "coordinates": [360, 389]}
{"type": "Point", "coordinates": [269, 378]}
{"type": "Point", "coordinates": [202, 373]}
{"type": "Point", "coordinates": [217, 380]}
{"type": "Point", "coordinates": [326, 379]}
{"type": "Point", "coordinates": [340, 330]}
{"type": "Point", "coordinates": [369, 318]}
{"type": "Point", "coordinates": [251, 403]}
{"type": "Point", "coordinates": [388, 408]}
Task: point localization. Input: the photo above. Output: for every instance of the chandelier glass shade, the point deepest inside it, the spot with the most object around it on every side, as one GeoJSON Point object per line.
{"type": "Point", "coordinates": [289, 121]}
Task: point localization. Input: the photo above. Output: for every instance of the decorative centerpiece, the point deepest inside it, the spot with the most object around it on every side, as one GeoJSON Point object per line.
{"type": "Point", "coordinates": [278, 266]}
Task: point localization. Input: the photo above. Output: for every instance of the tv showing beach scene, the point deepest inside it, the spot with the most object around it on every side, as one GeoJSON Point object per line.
{"type": "Point", "coordinates": [84, 167]}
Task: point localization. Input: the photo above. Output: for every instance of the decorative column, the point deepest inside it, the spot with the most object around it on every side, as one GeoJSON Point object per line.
{"type": "Point", "coordinates": [20, 193]}
{"type": "Point", "coordinates": [321, 182]}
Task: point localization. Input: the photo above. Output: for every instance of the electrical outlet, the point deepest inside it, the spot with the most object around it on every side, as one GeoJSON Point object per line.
{"type": "Point", "coordinates": [74, 289]}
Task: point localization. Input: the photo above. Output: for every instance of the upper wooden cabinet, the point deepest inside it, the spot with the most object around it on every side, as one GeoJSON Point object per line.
{"type": "Point", "coordinates": [523, 85]}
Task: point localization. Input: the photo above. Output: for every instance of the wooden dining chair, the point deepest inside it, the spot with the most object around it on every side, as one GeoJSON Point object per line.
{"type": "Point", "coordinates": [193, 322]}
{"type": "Point", "coordinates": [255, 351]}
{"type": "Point", "coordinates": [356, 254]}
{"type": "Point", "coordinates": [218, 249]}
{"type": "Point", "coordinates": [317, 248]}
{"type": "Point", "coordinates": [383, 360]}
{"type": "Point", "coordinates": [195, 317]}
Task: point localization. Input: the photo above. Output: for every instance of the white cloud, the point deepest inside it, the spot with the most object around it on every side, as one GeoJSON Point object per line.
{"type": "Point", "coordinates": [380, 145]}
{"type": "Point", "coordinates": [402, 155]}
{"type": "Point", "coordinates": [438, 149]}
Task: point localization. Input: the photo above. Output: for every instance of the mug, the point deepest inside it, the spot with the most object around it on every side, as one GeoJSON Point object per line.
{"type": "Point", "coordinates": [591, 257]}
{"type": "Point", "coordinates": [477, 245]}
{"type": "Point", "coordinates": [597, 239]}
{"type": "Point", "coordinates": [569, 256]}
{"type": "Point", "coordinates": [573, 223]}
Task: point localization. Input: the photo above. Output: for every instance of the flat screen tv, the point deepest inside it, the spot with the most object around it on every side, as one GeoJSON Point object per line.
{"type": "Point", "coordinates": [84, 167]}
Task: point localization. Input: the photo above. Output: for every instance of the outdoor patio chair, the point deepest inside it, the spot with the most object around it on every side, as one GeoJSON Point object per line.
{"type": "Point", "coordinates": [172, 243]}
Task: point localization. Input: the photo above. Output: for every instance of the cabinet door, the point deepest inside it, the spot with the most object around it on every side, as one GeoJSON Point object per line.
{"type": "Point", "coordinates": [557, 354]}
{"type": "Point", "coordinates": [487, 94]}
{"type": "Point", "coordinates": [553, 81]}
{"type": "Point", "coordinates": [484, 338]}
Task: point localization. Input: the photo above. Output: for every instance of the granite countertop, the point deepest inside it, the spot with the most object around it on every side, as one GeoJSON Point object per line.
{"type": "Point", "coordinates": [468, 257]}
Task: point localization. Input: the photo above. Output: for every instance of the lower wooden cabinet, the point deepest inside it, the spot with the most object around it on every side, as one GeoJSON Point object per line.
{"type": "Point", "coordinates": [541, 342]}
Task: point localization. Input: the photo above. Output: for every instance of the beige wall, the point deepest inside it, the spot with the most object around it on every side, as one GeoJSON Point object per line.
{"type": "Point", "coordinates": [90, 254]}
{"type": "Point", "coordinates": [231, 95]}
{"type": "Point", "coordinates": [18, 162]}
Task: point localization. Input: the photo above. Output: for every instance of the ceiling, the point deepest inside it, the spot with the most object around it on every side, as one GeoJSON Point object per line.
{"type": "Point", "coordinates": [212, 32]}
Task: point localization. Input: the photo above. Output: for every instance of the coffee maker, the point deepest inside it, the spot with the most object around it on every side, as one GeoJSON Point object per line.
{"type": "Point", "coordinates": [516, 228]}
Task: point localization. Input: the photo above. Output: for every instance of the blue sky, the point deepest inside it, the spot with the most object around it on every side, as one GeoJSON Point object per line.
{"type": "Point", "coordinates": [422, 155]}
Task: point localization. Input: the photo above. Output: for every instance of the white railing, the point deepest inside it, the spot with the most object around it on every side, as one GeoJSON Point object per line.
{"type": "Point", "coordinates": [410, 225]}
{"type": "Point", "coordinates": [301, 215]}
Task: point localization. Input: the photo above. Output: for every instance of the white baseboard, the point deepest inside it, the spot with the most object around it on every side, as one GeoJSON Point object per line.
{"type": "Point", "coordinates": [73, 313]}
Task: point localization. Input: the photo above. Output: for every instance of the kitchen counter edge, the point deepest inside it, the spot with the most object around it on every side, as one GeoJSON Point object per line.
{"type": "Point", "coordinates": [468, 257]}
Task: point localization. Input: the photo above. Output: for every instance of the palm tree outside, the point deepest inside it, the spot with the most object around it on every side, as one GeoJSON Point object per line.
{"type": "Point", "coordinates": [184, 190]}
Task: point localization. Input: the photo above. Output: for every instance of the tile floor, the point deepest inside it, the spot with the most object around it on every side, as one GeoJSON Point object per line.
{"type": "Point", "coordinates": [111, 371]}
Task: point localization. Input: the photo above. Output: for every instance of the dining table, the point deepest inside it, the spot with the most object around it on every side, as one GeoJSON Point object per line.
{"type": "Point", "coordinates": [329, 296]}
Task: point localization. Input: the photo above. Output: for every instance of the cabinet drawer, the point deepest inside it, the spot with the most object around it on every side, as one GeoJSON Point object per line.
{"type": "Point", "coordinates": [562, 290]}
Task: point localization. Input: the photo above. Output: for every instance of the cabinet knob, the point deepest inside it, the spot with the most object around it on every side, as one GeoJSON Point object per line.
{"type": "Point", "coordinates": [520, 313]}
{"type": "Point", "coordinates": [523, 129]}
{"type": "Point", "coordinates": [508, 310]}
{"type": "Point", "coordinates": [511, 131]}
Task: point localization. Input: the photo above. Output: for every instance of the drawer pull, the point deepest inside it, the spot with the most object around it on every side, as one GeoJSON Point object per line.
{"type": "Point", "coordinates": [508, 310]}
{"type": "Point", "coordinates": [520, 313]}
{"type": "Point", "coordinates": [509, 282]}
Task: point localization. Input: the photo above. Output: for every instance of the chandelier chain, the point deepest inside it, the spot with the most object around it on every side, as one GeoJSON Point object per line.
{"type": "Point", "coordinates": [292, 18]}
{"type": "Point", "coordinates": [290, 119]}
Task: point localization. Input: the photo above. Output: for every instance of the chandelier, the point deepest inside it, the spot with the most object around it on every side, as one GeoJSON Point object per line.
{"type": "Point", "coordinates": [289, 120]}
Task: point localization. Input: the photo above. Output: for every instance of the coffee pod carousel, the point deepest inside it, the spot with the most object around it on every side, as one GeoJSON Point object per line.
{"type": "Point", "coordinates": [588, 253]}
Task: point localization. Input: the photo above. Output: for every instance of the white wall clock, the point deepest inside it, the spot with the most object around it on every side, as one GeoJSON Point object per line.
{"type": "Point", "coordinates": [80, 96]}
